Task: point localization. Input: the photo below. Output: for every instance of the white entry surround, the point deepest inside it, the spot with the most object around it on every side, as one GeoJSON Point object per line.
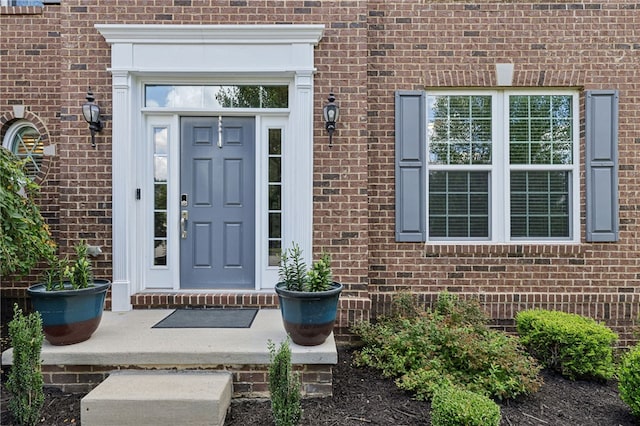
{"type": "Point", "coordinates": [207, 54]}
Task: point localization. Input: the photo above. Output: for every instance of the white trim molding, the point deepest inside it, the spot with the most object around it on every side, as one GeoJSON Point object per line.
{"type": "Point", "coordinates": [207, 54]}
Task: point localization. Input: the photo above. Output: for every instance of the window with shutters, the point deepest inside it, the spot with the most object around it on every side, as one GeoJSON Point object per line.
{"type": "Point", "coordinates": [502, 166]}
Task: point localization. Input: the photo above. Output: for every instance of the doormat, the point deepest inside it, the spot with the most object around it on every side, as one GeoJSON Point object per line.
{"type": "Point", "coordinates": [208, 318]}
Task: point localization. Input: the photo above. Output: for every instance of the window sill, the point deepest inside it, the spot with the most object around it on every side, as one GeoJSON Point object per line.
{"type": "Point", "coordinates": [21, 10]}
{"type": "Point", "coordinates": [569, 249]}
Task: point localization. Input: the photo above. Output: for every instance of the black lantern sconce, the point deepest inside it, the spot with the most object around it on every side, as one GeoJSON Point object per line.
{"type": "Point", "coordinates": [331, 112]}
{"type": "Point", "coordinates": [91, 113]}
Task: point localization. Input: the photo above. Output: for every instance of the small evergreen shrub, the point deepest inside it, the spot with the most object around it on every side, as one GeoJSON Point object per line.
{"type": "Point", "coordinates": [452, 406]}
{"type": "Point", "coordinates": [284, 386]}
{"type": "Point", "coordinates": [576, 346]}
{"type": "Point", "coordinates": [450, 344]}
{"type": "Point", "coordinates": [629, 380]}
{"type": "Point", "coordinates": [24, 382]}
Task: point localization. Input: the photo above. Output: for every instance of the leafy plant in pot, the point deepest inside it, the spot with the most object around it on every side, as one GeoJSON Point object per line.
{"type": "Point", "coordinates": [308, 297]}
{"type": "Point", "coordinates": [69, 299]}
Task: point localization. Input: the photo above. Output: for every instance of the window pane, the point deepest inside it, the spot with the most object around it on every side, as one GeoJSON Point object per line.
{"type": "Point", "coordinates": [275, 197]}
{"type": "Point", "coordinates": [275, 168]}
{"type": "Point", "coordinates": [455, 124]}
{"type": "Point", "coordinates": [540, 129]}
{"type": "Point", "coordinates": [275, 141]}
{"type": "Point", "coordinates": [27, 145]}
{"type": "Point", "coordinates": [539, 204]}
{"type": "Point", "coordinates": [160, 196]}
{"type": "Point", "coordinates": [275, 248]}
{"type": "Point", "coordinates": [274, 225]}
{"type": "Point", "coordinates": [459, 205]}
{"type": "Point", "coordinates": [159, 252]}
{"type": "Point", "coordinates": [240, 96]}
{"type": "Point", "coordinates": [160, 224]}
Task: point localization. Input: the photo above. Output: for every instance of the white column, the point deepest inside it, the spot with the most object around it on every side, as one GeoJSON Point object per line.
{"type": "Point", "coordinates": [122, 174]}
{"type": "Point", "coordinates": [298, 167]}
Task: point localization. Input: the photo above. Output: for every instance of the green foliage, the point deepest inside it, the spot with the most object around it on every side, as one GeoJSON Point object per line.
{"type": "Point", "coordinates": [319, 277]}
{"type": "Point", "coordinates": [284, 386]}
{"type": "Point", "coordinates": [449, 344]}
{"type": "Point", "coordinates": [78, 273]}
{"type": "Point", "coordinates": [576, 346]}
{"type": "Point", "coordinates": [452, 406]}
{"type": "Point", "coordinates": [25, 381]}
{"type": "Point", "coordinates": [293, 271]}
{"type": "Point", "coordinates": [24, 235]}
{"type": "Point", "coordinates": [629, 379]}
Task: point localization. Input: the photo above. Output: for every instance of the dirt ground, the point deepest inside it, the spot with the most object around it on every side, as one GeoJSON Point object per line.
{"type": "Point", "coordinates": [361, 397]}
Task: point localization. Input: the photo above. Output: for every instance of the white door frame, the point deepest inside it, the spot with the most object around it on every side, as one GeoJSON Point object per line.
{"type": "Point", "coordinates": [194, 52]}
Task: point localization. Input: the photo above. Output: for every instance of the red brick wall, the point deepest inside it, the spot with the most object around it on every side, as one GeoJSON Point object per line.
{"type": "Point", "coordinates": [249, 381]}
{"type": "Point", "coordinates": [369, 50]}
{"type": "Point", "coordinates": [584, 45]}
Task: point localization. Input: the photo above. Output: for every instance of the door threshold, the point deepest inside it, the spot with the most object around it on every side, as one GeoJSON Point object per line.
{"type": "Point", "coordinates": [204, 298]}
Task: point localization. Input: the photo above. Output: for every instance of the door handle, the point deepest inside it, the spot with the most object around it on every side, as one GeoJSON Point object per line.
{"type": "Point", "coordinates": [184, 217]}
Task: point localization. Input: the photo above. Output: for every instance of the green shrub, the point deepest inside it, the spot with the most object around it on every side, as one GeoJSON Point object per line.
{"type": "Point", "coordinates": [450, 344]}
{"type": "Point", "coordinates": [284, 386]}
{"type": "Point", "coordinates": [576, 346]}
{"type": "Point", "coordinates": [452, 406]}
{"type": "Point", "coordinates": [25, 382]}
{"type": "Point", "coordinates": [629, 379]}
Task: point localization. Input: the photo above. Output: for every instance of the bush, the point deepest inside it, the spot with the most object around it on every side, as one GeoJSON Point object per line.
{"type": "Point", "coordinates": [451, 344]}
{"type": "Point", "coordinates": [25, 382]}
{"type": "Point", "coordinates": [284, 386]}
{"type": "Point", "coordinates": [24, 235]}
{"type": "Point", "coordinates": [629, 380]}
{"type": "Point", "coordinates": [576, 346]}
{"type": "Point", "coordinates": [458, 407]}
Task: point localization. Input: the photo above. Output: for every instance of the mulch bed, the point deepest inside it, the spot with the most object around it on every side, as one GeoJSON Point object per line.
{"type": "Point", "coordinates": [362, 397]}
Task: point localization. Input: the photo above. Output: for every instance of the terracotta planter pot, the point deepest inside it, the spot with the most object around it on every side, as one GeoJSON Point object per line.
{"type": "Point", "coordinates": [71, 315]}
{"type": "Point", "coordinates": [309, 317]}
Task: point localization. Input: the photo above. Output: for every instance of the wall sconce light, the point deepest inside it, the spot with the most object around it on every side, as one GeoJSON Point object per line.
{"type": "Point", "coordinates": [91, 113]}
{"type": "Point", "coordinates": [331, 112]}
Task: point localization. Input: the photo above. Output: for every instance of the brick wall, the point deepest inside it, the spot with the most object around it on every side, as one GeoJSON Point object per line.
{"type": "Point", "coordinates": [584, 45]}
{"type": "Point", "coordinates": [369, 50]}
{"type": "Point", "coordinates": [249, 381]}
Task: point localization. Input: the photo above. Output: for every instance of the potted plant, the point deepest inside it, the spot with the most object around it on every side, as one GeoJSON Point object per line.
{"type": "Point", "coordinates": [69, 299]}
{"type": "Point", "coordinates": [308, 297]}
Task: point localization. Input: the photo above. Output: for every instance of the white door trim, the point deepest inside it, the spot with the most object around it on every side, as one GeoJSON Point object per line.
{"type": "Point", "coordinates": [194, 51]}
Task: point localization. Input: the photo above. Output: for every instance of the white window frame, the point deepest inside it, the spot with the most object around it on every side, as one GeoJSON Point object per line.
{"type": "Point", "coordinates": [10, 142]}
{"type": "Point", "coordinates": [500, 170]}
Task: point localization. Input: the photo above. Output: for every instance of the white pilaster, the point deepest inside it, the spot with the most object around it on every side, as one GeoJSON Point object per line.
{"type": "Point", "coordinates": [121, 287]}
{"type": "Point", "coordinates": [298, 179]}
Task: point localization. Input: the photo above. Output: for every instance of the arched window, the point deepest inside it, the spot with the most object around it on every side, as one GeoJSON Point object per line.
{"type": "Point", "coordinates": [24, 140]}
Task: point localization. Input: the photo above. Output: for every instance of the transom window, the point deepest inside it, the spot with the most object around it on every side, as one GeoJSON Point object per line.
{"type": "Point", "coordinates": [502, 166]}
{"type": "Point", "coordinates": [24, 140]}
{"type": "Point", "coordinates": [216, 97]}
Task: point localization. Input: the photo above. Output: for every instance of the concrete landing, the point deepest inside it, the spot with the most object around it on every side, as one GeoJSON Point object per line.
{"type": "Point", "coordinates": [158, 398]}
{"type": "Point", "coordinates": [128, 339]}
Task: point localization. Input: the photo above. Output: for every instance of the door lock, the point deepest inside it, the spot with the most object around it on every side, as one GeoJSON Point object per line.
{"type": "Point", "coordinates": [184, 217]}
{"type": "Point", "coordinates": [184, 200]}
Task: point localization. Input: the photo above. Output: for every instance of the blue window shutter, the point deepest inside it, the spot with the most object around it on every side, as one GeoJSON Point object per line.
{"type": "Point", "coordinates": [601, 165]}
{"type": "Point", "coordinates": [410, 166]}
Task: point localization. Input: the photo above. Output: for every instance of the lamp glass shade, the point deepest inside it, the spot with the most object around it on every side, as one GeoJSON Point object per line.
{"type": "Point", "coordinates": [91, 112]}
{"type": "Point", "coordinates": [331, 113]}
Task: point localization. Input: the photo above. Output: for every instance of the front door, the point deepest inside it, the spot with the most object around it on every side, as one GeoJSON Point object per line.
{"type": "Point", "coordinates": [217, 202]}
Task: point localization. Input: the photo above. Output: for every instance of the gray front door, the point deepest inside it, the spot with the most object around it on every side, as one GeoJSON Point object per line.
{"type": "Point", "coordinates": [217, 202]}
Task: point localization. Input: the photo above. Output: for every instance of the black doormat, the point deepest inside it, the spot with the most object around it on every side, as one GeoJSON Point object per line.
{"type": "Point", "coordinates": [208, 318]}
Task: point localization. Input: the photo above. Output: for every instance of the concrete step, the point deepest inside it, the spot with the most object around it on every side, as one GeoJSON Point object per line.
{"type": "Point", "coordinates": [158, 398]}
